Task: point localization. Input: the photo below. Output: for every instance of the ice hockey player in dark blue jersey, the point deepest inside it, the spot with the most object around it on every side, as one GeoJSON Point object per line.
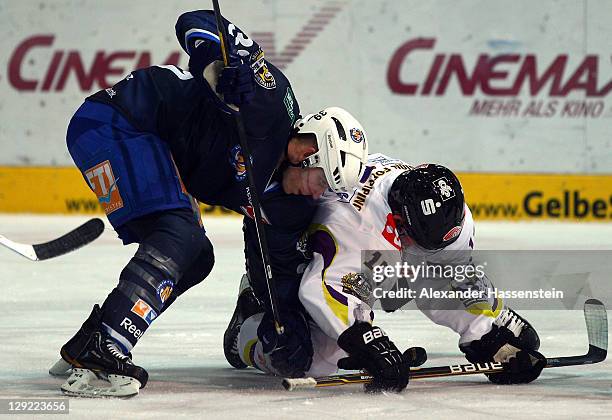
{"type": "Point", "coordinates": [162, 138]}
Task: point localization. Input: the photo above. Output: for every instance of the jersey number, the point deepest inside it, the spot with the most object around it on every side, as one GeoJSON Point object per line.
{"type": "Point", "coordinates": [240, 39]}
{"type": "Point", "coordinates": [183, 75]}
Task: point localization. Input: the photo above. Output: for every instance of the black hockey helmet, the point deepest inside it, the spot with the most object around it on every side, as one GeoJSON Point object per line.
{"type": "Point", "coordinates": [428, 200]}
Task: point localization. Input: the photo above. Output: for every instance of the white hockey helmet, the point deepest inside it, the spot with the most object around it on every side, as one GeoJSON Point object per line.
{"type": "Point", "coordinates": [343, 149]}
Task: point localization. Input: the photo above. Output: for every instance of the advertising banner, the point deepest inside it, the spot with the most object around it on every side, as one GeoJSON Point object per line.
{"type": "Point", "coordinates": [484, 87]}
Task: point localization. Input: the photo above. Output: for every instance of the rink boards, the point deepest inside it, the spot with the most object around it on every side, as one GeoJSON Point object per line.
{"type": "Point", "coordinates": [519, 104]}
{"type": "Point", "coordinates": [491, 196]}
{"type": "Point", "coordinates": [492, 90]}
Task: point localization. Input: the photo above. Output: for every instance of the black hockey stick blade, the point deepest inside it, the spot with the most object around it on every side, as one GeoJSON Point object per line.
{"type": "Point", "coordinates": [596, 320]}
{"type": "Point", "coordinates": [76, 238]}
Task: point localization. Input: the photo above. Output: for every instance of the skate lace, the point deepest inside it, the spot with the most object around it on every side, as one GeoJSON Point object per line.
{"type": "Point", "coordinates": [235, 346]}
{"type": "Point", "coordinates": [114, 350]}
{"type": "Point", "coordinates": [509, 319]}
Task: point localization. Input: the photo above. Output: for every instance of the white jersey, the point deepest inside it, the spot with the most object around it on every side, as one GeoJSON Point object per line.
{"type": "Point", "coordinates": [332, 288]}
{"type": "Point", "coordinates": [335, 288]}
{"type": "Point", "coordinates": [343, 227]}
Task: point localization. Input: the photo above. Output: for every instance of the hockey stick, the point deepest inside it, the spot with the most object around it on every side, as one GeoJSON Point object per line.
{"type": "Point", "coordinates": [74, 239]}
{"type": "Point", "coordinates": [596, 320]}
{"type": "Point", "coordinates": [251, 191]}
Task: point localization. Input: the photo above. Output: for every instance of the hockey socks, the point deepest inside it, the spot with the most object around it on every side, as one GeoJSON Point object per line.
{"type": "Point", "coordinates": [144, 290]}
{"type": "Point", "coordinates": [126, 321]}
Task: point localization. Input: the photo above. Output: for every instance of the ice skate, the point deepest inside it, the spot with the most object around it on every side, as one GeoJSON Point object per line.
{"type": "Point", "coordinates": [247, 306]}
{"type": "Point", "coordinates": [95, 357]}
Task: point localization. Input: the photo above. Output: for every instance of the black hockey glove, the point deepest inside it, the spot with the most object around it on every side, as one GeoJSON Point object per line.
{"type": "Point", "coordinates": [236, 82]}
{"type": "Point", "coordinates": [369, 348]}
{"type": "Point", "coordinates": [524, 365]}
{"type": "Point", "coordinates": [290, 354]}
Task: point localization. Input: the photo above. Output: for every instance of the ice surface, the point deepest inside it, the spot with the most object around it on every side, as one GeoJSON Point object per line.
{"type": "Point", "coordinates": [44, 303]}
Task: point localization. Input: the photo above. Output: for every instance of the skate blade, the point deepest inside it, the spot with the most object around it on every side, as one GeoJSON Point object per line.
{"type": "Point", "coordinates": [79, 385]}
{"type": "Point", "coordinates": [61, 368]}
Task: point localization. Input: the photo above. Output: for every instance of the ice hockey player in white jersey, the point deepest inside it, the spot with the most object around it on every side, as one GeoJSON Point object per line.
{"type": "Point", "coordinates": [408, 214]}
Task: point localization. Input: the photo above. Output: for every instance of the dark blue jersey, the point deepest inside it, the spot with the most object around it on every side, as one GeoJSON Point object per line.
{"type": "Point", "coordinates": [267, 120]}
{"type": "Point", "coordinates": [181, 110]}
